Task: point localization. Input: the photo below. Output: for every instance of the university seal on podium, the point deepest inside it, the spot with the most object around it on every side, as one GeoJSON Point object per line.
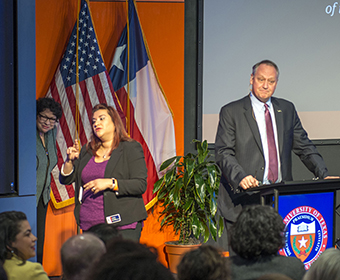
{"type": "Point", "coordinates": [306, 234]}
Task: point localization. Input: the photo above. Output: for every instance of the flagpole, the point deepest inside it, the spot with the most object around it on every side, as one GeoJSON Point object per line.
{"type": "Point", "coordinates": [76, 132]}
{"type": "Point", "coordinates": [128, 70]}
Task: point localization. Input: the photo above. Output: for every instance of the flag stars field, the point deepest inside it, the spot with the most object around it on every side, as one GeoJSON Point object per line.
{"type": "Point", "coordinates": [87, 47]}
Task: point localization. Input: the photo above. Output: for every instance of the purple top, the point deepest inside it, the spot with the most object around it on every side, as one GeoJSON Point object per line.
{"type": "Point", "coordinates": [92, 208]}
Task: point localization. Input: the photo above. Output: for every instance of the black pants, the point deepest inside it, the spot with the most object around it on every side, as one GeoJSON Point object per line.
{"type": "Point", "coordinates": [41, 220]}
{"type": "Point", "coordinates": [132, 234]}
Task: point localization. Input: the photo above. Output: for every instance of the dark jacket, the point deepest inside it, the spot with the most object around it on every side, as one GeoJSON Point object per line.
{"type": "Point", "coordinates": [46, 161]}
{"type": "Point", "coordinates": [127, 165]}
{"type": "Point", "coordinates": [239, 152]}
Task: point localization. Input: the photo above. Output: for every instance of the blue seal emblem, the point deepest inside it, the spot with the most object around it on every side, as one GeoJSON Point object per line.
{"type": "Point", "coordinates": [306, 234]}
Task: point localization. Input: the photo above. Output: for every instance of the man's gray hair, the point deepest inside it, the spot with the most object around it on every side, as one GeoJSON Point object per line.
{"type": "Point", "coordinates": [267, 62]}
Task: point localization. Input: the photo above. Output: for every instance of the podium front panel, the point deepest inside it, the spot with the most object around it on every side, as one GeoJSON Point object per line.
{"type": "Point", "coordinates": [309, 220]}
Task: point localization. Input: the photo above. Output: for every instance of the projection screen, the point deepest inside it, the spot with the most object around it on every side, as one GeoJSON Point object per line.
{"type": "Point", "coordinates": [301, 36]}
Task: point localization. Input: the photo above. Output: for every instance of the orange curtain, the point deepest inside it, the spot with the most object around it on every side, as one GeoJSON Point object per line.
{"type": "Point", "coordinates": [163, 25]}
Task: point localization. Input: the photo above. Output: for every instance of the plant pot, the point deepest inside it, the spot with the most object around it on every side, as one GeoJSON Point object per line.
{"type": "Point", "coordinates": [175, 253]}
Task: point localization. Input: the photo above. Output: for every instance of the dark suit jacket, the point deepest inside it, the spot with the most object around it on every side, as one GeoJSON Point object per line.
{"type": "Point", "coordinates": [127, 165]}
{"type": "Point", "coordinates": [239, 152]}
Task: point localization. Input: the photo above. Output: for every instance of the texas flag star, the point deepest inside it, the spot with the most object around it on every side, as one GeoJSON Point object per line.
{"type": "Point", "coordinates": [116, 59]}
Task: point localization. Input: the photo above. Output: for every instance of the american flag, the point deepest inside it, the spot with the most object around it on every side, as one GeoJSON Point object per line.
{"type": "Point", "coordinates": [149, 117]}
{"type": "Point", "coordinates": [94, 86]}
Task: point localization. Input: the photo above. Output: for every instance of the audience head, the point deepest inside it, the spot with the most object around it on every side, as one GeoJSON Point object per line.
{"type": "Point", "coordinates": [16, 236]}
{"type": "Point", "coordinates": [327, 266]}
{"type": "Point", "coordinates": [205, 263]}
{"type": "Point", "coordinates": [105, 232]}
{"type": "Point", "coordinates": [79, 253]}
{"type": "Point", "coordinates": [257, 232]}
{"type": "Point", "coordinates": [129, 260]}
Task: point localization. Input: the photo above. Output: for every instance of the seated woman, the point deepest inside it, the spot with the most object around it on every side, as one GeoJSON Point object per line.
{"type": "Point", "coordinates": [256, 237]}
{"type": "Point", "coordinates": [17, 245]}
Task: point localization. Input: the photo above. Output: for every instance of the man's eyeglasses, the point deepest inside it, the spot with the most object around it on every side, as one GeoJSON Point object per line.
{"type": "Point", "coordinates": [45, 119]}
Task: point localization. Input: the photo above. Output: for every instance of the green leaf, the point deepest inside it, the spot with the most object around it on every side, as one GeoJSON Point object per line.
{"type": "Point", "coordinates": [177, 195]}
{"type": "Point", "coordinates": [158, 185]}
{"type": "Point", "coordinates": [195, 226]}
{"type": "Point", "coordinates": [206, 233]}
{"type": "Point", "coordinates": [187, 205]}
{"type": "Point", "coordinates": [200, 187]}
{"type": "Point", "coordinates": [213, 206]}
{"type": "Point", "coordinates": [168, 162]}
{"type": "Point", "coordinates": [190, 166]}
{"type": "Point", "coordinates": [213, 229]}
{"type": "Point", "coordinates": [220, 226]}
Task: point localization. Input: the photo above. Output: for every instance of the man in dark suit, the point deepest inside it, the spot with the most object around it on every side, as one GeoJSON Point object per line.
{"type": "Point", "coordinates": [241, 146]}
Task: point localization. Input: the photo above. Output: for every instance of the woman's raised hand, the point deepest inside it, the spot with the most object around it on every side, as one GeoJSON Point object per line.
{"type": "Point", "coordinates": [73, 152]}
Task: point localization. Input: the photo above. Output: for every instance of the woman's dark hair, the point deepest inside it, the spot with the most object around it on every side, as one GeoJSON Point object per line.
{"type": "Point", "coordinates": [49, 103]}
{"type": "Point", "coordinates": [206, 263]}
{"type": "Point", "coordinates": [119, 134]}
{"type": "Point", "coordinates": [9, 228]}
{"type": "Point", "coordinates": [257, 232]}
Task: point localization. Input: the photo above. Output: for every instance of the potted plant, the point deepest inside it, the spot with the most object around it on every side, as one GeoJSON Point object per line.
{"type": "Point", "coordinates": [188, 192]}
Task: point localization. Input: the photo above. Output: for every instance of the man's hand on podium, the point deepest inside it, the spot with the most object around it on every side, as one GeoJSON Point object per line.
{"type": "Point", "coordinates": [332, 177]}
{"type": "Point", "coordinates": [249, 182]}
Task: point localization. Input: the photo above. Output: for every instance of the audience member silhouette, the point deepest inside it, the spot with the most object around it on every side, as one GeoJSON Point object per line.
{"type": "Point", "coordinates": [79, 253]}
{"type": "Point", "coordinates": [256, 237]}
{"type": "Point", "coordinates": [326, 267]}
{"type": "Point", "coordinates": [129, 260]}
{"type": "Point", "coordinates": [105, 231]}
{"type": "Point", "coordinates": [205, 263]}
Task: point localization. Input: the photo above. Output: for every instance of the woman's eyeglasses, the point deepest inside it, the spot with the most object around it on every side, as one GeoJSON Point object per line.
{"type": "Point", "coordinates": [45, 119]}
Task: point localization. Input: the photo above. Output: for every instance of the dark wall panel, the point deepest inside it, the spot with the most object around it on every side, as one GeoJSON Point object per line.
{"type": "Point", "coordinates": [7, 98]}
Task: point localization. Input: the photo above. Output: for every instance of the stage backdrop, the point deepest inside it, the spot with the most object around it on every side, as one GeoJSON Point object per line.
{"type": "Point", "coordinates": [163, 25]}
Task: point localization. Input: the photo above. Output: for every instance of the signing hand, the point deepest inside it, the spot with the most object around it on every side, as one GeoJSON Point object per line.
{"type": "Point", "coordinates": [98, 185]}
{"type": "Point", "coordinates": [249, 182]}
{"type": "Point", "coordinates": [73, 152]}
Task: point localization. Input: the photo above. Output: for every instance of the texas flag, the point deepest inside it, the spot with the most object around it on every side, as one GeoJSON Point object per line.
{"type": "Point", "coordinates": [149, 118]}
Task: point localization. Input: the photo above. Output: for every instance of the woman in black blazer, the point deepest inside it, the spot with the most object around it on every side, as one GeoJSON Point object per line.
{"type": "Point", "coordinates": [110, 176]}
